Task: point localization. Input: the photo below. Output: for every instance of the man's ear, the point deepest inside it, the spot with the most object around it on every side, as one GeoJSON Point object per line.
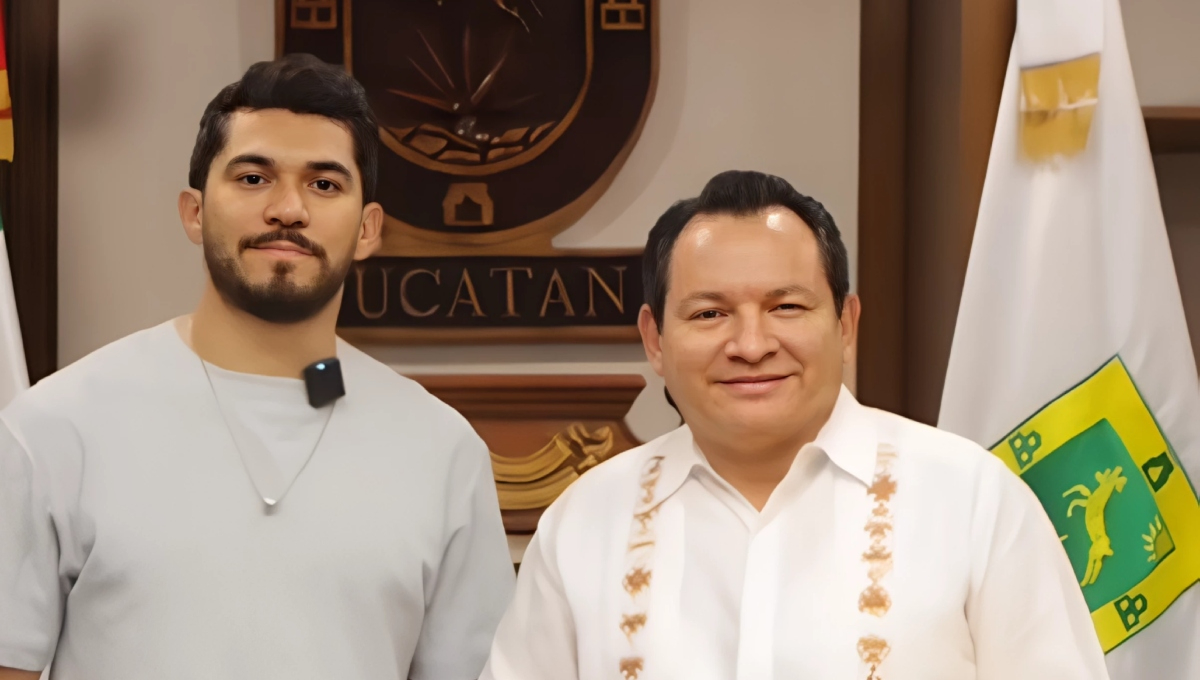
{"type": "Point", "coordinates": [370, 232]}
{"type": "Point", "coordinates": [191, 214]}
{"type": "Point", "coordinates": [651, 338]}
{"type": "Point", "coordinates": [851, 311]}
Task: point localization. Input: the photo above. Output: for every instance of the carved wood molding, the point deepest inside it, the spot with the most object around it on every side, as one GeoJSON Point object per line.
{"type": "Point", "coordinates": [587, 397]}
{"type": "Point", "coordinates": [543, 430]}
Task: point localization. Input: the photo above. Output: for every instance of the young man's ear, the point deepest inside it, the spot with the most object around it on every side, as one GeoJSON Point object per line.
{"type": "Point", "coordinates": [370, 232]}
{"type": "Point", "coordinates": [191, 214]}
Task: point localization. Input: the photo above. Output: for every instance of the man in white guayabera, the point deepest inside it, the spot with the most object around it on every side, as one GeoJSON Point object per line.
{"type": "Point", "coordinates": [181, 504]}
{"type": "Point", "coordinates": [786, 531]}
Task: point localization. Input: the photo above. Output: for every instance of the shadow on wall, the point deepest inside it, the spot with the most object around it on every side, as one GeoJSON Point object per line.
{"type": "Point", "coordinates": [88, 71]}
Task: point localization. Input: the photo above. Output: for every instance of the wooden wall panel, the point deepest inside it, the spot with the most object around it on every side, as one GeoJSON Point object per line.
{"type": "Point", "coordinates": [1173, 129]}
{"type": "Point", "coordinates": [883, 65]}
{"type": "Point", "coordinates": [927, 133]}
{"type": "Point", "coordinates": [988, 27]}
{"type": "Point", "coordinates": [934, 208]}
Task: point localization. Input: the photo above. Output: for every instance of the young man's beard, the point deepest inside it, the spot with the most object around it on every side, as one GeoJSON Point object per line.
{"type": "Point", "coordinates": [280, 300]}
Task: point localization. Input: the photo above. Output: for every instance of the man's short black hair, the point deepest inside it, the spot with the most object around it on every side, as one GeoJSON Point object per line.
{"type": "Point", "coordinates": [741, 193]}
{"type": "Point", "coordinates": [300, 83]}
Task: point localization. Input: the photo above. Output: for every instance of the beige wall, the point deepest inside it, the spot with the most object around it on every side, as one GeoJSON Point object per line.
{"type": "Point", "coordinates": [1166, 67]}
{"type": "Point", "coordinates": [1164, 50]}
{"type": "Point", "coordinates": [136, 75]}
{"type": "Point", "coordinates": [763, 84]}
{"type": "Point", "coordinates": [1179, 187]}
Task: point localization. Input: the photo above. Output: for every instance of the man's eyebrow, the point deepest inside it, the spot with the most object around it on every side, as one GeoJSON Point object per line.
{"type": "Point", "coordinates": [315, 166]}
{"type": "Point", "coordinates": [713, 296]}
{"type": "Point", "coordinates": [331, 166]}
{"type": "Point", "coordinates": [702, 296]}
{"type": "Point", "coordinates": [250, 159]}
{"type": "Point", "coordinates": [789, 290]}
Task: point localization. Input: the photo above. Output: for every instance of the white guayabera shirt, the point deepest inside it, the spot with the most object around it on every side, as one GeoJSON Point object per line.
{"type": "Point", "coordinates": [890, 550]}
{"type": "Point", "coordinates": [133, 543]}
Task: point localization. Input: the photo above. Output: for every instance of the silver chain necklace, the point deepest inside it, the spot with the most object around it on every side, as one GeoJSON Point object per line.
{"type": "Point", "coordinates": [268, 479]}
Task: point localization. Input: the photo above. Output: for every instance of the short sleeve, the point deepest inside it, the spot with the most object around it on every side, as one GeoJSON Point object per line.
{"type": "Point", "coordinates": [1025, 609]}
{"type": "Point", "coordinates": [31, 594]}
{"type": "Point", "coordinates": [473, 582]}
{"type": "Point", "coordinates": [537, 638]}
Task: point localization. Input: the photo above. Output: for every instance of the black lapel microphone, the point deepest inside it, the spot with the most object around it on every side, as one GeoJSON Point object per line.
{"type": "Point", "coordinates": [323, 380]}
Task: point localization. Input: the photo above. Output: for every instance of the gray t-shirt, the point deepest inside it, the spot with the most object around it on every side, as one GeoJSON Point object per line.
{"type": "Point", "coordinates": [133, 539]}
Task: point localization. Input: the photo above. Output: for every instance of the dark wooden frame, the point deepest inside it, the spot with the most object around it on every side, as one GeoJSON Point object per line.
{"type": "Point", "coordinates": [883, 96]}
{"type": "Point", "coordinates": [29, 185]}
{"type": "Point", "coordinates": [599, 335]}
{"type": "Point", "coordinates": [1173, 129]}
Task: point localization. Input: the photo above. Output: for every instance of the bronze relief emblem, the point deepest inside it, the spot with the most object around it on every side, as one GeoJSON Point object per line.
{"type": "Point", "coordinates": [502, 122]}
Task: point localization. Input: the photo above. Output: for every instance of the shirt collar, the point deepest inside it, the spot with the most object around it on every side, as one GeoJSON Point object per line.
{"type": "Point", "coordinates": [848, 438]}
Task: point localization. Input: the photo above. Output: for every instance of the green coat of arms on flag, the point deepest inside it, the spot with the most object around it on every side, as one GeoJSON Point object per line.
{"type": "Point", "coordinates": [1124, 509]}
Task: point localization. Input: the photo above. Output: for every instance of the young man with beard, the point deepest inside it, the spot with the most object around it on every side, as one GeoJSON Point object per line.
{"type": "Point", "coordinates": [175, 505]}
{"type": "Point", "coordinates": [786, 531]}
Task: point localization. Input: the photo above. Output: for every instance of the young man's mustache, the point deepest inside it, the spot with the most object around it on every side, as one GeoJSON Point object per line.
{"type": "Point", "coordinates": [290, 235]}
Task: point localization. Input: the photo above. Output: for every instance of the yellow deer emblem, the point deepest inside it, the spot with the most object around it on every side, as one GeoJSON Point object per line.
{"type": "Point", "coordinates": [1093, 504]}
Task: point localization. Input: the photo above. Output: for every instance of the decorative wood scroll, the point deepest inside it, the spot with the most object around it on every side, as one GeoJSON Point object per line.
{"type": "Point", "coordinates": [544, 431]}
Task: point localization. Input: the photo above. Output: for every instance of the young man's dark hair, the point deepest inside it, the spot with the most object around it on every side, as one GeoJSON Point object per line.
{"type": "Point", "coordinates": [739, 193]}
{"type": "Point", "coordinates": [300, 83]}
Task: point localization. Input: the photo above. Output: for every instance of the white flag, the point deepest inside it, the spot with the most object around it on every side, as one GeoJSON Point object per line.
{"type": "Point", "coordinates": [14, 377]}
{"type": "Point", "coordinates": [1071, 359]}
